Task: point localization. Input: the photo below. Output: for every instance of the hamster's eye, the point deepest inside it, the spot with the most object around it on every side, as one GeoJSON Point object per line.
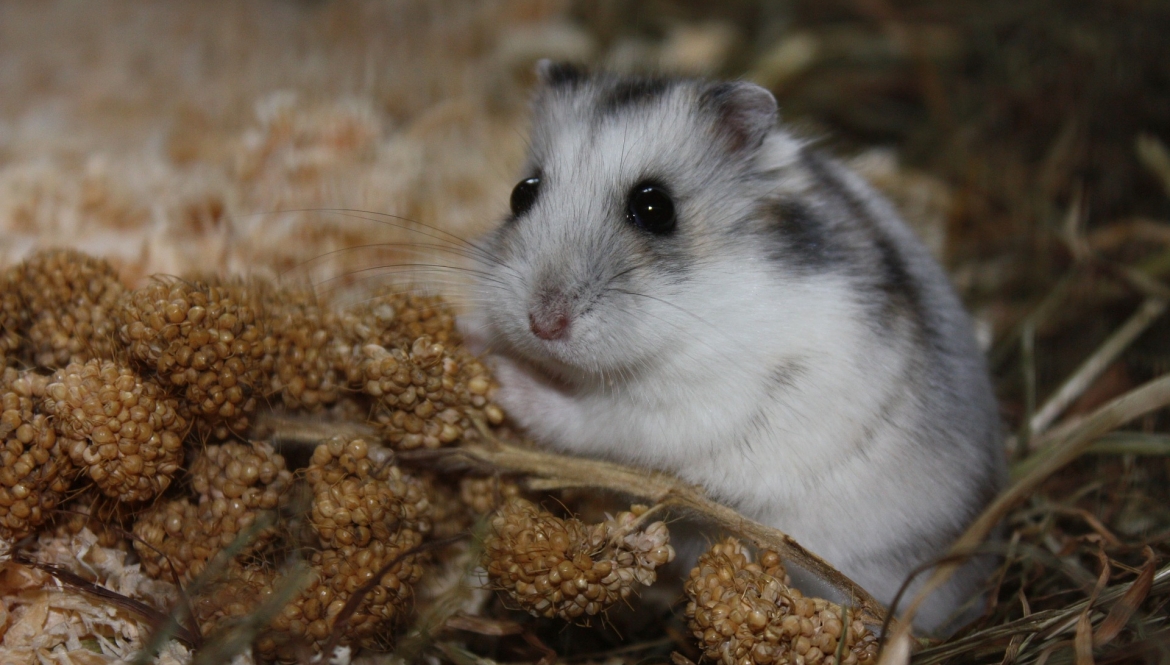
{"type": "Point", "coordinates": [651, 209]}
{"type": "Point", "coordinates": [524, 195]}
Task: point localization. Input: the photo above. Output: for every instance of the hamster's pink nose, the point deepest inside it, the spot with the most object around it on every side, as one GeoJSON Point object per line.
{"type": "Point", "coordinates": [549, 322]}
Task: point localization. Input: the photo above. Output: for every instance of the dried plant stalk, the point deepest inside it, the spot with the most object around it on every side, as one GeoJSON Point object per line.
{"type": "Point", "coordinates": [1097, 363]}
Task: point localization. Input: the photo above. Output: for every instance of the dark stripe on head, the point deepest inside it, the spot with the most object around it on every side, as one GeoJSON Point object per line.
{"type": "Point", "coordinates": [628, 92]}
{"type": "Point", "coordinates": [559, 74]}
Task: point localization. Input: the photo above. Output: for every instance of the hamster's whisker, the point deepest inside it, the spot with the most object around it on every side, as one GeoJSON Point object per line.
{"type": "Point", "coordinates": [694, 316]}
{"type": "Point", "coordinates": [376, 217]}
{"type": "Point", "coordinates": [392, 269]}
{"type": "Point", "coordinates": [625, 272]}
{"type": "Point", "coordinates": [429, 266]}
{"type": "Point", "coordinates": [415, 248]}
{"type": "Point", "coordinates": [351, 213]}
{"type": "Point", "coordinates": [622, 159]}
{"type": "Point", "coordinates": [373, 298]}
{"type": "Point", "coordinates": [724, 354]}
{"type": "Point", "coordinates": [346, 298]}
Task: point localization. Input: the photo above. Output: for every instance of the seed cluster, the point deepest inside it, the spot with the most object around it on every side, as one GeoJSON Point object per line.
{"type": "Point", "coordinates": [125, 381]}
{"type": "Point", "coordinates": [396, 319]}
{"type": "Point", "coordinates": [405, 352]}
{"type": "Point", "coordinates": [234, 482]}
{"type": "Point", "coordinates": [341, 573]}
{"type": "Point", "coordinates": [426, 394]}
{"type": "Point", "coordinates": [365, 515]}
{"type": "Point", "coordinates": [252, 473]}
{"type": "Point", "coordinates": [122, 430]}
{"type": "Point", "coordinates": [356, 499]}
{"type": "Point", "coordinates": [308, 371]}
{"type": "Point", "coordinates": [483, 495]}
{"type": "Point", "coordinates": [742, 612]}
{"type": "Point", "coordinates": [35, 472]}
{"type": "Point", "coordinates": [71, 299]}
{"type": "Point", "coordinates": [204, 340]}
{"type": "Point", "coordinates": [557, 567]}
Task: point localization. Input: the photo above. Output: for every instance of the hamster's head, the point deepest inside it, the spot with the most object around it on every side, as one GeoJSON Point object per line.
{"type": "Point", "coordinates": [634, 196]}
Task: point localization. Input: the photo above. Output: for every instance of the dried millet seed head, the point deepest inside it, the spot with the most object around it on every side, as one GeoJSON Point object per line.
{"type": "Point", "coordinates": [551, 566]}
{"type": "Point", "coordinates": [253, 473]}
{"type": "Point", "coordinates": [123, 431]}
{"type": "Point", "coordinates": [307, 371]}
{"type": "Point", "coordinates": [71, 299]}
{"type": "Point", "coordinates": [35, 470]}
{"type": "Point", "coordinates": [235, 483]}
{"type": "Point", "coordinates": [397, 319]}
{"type": "Point", "coordinates": [255, 293]}
{"type": "Point", "coordinates": [171, 536]}
{"type": "Point", "coordinates": [405, 352]}
{"type": "Point", "coordinates": [366, 515]}
{"type": "Point", "coordinates": [483, 495]}
{"type": "Point", "coordinates": [427, 395]}
{"type": "Point", "coordinates": [342, 572]}
{"type": "Point", "coordinates": [358, 496]}
{"type": "Point", "coordinates": [742, 612]}
{"type": "Point", "coordinates": [206, 341]}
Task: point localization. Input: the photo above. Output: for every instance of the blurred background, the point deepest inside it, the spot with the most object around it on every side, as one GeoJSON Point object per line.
{"type": "Point", "coordinates": [1025, 140]}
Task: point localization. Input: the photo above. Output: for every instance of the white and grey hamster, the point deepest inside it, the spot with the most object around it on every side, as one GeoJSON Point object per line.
{"type": "Point", "coordinates": [684, 285]}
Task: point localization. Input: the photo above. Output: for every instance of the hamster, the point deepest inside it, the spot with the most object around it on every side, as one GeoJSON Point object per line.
{"type": "Point", "coordinates": [685, 286]}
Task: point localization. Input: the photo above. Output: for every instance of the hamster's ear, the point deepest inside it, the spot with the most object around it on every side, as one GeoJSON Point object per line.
{"type": "Point", "coordinates": [551, 74]}
{"type": "Point", "coordinates": [744, 111]}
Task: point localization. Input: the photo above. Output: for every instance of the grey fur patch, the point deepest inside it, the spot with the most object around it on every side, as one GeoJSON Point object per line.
{"type": "Point", "coordinates": [803, 240]}
{"type": "Point", "coordinates": [893, 276]}
{"type": "Point", "coordinates": [670, 253]}
{"type": "Point", "coordinates": [784, 376]}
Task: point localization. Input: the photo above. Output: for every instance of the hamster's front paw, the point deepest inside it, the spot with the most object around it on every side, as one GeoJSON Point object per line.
{"type": "Point", "coordinates": [531, 399]}
{"type": "Point", "coordinates": [519, 389]}
{"type": "Point", "coordinates": [473, 328]}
